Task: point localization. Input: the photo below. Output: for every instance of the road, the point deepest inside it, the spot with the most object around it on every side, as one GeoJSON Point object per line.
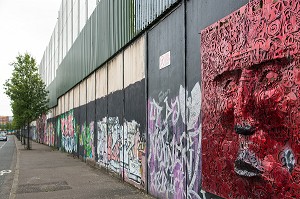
{"type": "Point", "coordinates": [7, 166]}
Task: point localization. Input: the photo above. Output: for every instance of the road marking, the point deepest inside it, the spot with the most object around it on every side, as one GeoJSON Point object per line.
{"type": "Point", "coordinates": [4, 172]}
{"type": "Point", "coordinates": [3, 145]}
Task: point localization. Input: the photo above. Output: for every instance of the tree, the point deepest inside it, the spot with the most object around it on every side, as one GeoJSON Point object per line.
{"type": "Point", "coordinates": [27, 92]}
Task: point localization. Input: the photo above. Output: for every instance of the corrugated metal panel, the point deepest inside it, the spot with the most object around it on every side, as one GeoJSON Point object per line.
{"type": "Point", "coordinates": [134, 62]}
{"type": "Point", "coordinates": [52, 94]}
{"type": "Point", "coordinates": [94, 43]}
{"type": "Point", "coordinates": [91, 88]}
{"type": "Point", "coordinates": [102, 42]}
{"type": "Point", "coordinates": [76, 96]}
{"type": "Point", "coordinates": [101, 82]}
{"type": "Point", "coordinates": [147, 11]}
{"type": "Point", "coordinates": [111, 26]}
{"type": "Point", "coordinates": [82, 98]}
{"type": "Point", "coordinates": [115, 74]}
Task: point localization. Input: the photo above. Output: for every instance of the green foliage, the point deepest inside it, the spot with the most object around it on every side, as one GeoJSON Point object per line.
{"type": "Point", "coordinates": [7, 126]}
{"type": "Point", "coordinates": [26, 90]}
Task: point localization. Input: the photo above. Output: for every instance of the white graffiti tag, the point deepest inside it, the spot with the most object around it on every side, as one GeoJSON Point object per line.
{"type": "Point", "coordinates": [122, 145]}
{"type": "Point", "coordinates": [174, 153]}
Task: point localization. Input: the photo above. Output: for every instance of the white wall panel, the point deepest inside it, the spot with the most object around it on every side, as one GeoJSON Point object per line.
{"type": "Point", "coordinates": [66, 102]}
{"type": "Point", "coordinates": [115, 74]}
{"type": "Point", "coordinates": [76, 96]}
{"type": "Point", "coordinates": [63, 104]}
{"type": "Point", "coordinates": [59, 106]}
{"type": "Point", "coordinates": [82, 98]}
{"type": "Point", "coordinates": [134, 62]}
{"type": "Point", "coordinates": [91, 88]}
{"type": "Point", "coordinates": [101, 82]}
{"type": "Point", "coordinates": [71, 99]}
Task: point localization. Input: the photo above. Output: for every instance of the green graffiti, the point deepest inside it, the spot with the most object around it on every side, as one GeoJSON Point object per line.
{"type": "Point", "coordinates": [86, 140]}
{"type": "Point", "coordinates": [58, 126]}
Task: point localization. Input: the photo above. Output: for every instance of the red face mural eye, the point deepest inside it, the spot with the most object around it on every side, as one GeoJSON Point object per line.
{"type": "Point", "coordinates": [226, 87]}
{"type": "Point", "coordinates": [227, 82]}
{"type": "Point", "coordinates": [269, 78]}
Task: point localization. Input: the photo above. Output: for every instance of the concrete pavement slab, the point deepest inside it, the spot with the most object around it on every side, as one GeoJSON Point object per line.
{"type": "Point", "coordinates": [47, 173]}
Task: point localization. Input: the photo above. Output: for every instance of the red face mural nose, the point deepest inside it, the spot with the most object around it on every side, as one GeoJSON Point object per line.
{"type": "Point", "coordinates": [244, 129]}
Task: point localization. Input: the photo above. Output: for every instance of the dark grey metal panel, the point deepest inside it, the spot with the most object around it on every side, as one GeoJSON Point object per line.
{"type": "Point", "coordinates": [165, 124]}
{"type": "Point", "coordinates": [134, 126]}
{"type": "Point", "coordinates": [115, 109]}
{"type": "Point", "coordinates": [167, 36]}
{"type": "Point", "coordinates": [101, 135]}
{"type": "Point", "coordinates": [200, 14]}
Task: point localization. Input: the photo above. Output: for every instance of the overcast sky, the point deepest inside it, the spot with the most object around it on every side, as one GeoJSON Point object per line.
{"type": "Point", "coordinates": [26, 26]}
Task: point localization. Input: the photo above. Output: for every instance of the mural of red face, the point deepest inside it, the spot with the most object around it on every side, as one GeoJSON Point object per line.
{"type": "Point", "coordinates": [251, 102]}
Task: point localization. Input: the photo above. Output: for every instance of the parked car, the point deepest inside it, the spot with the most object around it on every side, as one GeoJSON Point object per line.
{"type": "Point", "coordinates": [3, 136]}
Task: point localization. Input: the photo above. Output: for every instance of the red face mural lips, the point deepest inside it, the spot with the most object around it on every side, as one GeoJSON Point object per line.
{"type": "Point", "coordinates": [247, 164]}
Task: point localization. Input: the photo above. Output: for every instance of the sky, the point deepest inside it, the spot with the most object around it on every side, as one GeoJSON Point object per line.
{"type": "Point", "coordinates": [26, 26]}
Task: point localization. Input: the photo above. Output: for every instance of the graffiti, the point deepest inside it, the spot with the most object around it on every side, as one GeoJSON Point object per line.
{"type": "Point", "coordinates": [119, 145]}
{"type": "Point", "coordinates": [86, 140]}
{"type": "Point", "coordinates": [163, 95]}
{"type": "Point", "coordinates": [250, 77]}
{"type": "Point", "coordinates": [50, 134]}
{"type": "Point", "coordinates": [34, 133]}
{"type": "Point", "coordinates": [114, 143]}
{"type": "Point", "coordinates": [44, 126]}
{"type": "Point", "coordinates": [68, 134]}
{"type": "Point", "coordinates": [134, 146]}
{"type": "Point", "coordinates": [41, 125]}
{"type": "Point", "coordinates": [89, 142]}
{"type": "Point", "coordinates": [174, 155]}
{"type": "Point", "coordinates": [82, 139]}
{"type": "Point", "coordinates": [102, 143]}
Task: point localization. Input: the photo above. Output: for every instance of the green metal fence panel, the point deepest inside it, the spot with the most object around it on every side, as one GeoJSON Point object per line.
{"type": "Point", "coordinates": [111, 26]}
{"type": "Point", "coordinates": [52, 94]}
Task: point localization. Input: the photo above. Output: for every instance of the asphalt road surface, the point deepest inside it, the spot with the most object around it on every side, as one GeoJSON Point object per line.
{"type": "Point", "coordinates": [7, 166]}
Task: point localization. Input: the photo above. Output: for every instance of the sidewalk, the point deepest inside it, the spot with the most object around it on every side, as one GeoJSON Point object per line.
{"type": "Point", "coordinates": [46, 173]}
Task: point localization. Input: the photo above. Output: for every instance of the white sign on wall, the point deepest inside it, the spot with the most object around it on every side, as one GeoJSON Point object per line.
{"type": "Point", "coordinates": [165, 60]}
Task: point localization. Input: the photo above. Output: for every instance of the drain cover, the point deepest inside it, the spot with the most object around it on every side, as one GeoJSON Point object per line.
{"type": "Point", "coordinates": [44, 187]}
